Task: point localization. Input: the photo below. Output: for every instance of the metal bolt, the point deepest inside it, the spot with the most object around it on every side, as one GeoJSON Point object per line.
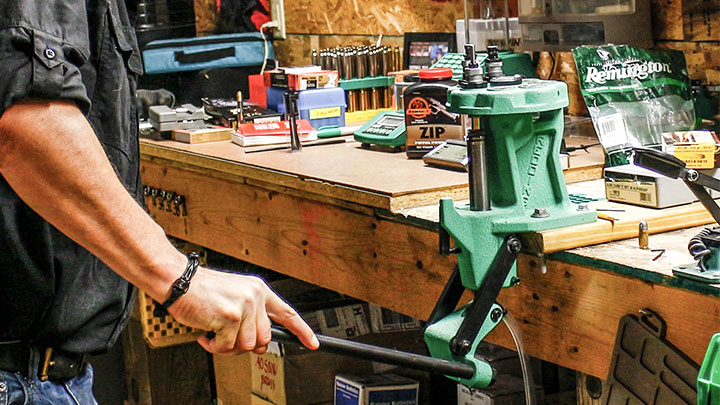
{"type": "Point", "coordinates": [540, 212]}
{"type": "Point", "coordinates": [514, 245]}
{"type": "Point", "coordinates": [50, 53]}
{"type": "Point", "coordinates": [461, 347]}
{"type": "Point", "coordinates": [515, 281]}
{"type": "Point", "coordinates": [496, 314]}
{"type": "Point", "coordinates": [692, 175]}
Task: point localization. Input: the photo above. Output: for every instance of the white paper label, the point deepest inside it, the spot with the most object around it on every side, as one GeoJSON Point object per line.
{"type": "Point", "coordinates": [612, 131]}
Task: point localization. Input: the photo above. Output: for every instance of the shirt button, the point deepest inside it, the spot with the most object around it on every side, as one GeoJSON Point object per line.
{"type": "Point", "coordinates": [50, 53]}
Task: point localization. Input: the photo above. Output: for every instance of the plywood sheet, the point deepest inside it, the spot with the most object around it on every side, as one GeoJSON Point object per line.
{"type": "Point", "coordinates": [345, 171]}
{"type": "Point", "coordinates": [369, 172]}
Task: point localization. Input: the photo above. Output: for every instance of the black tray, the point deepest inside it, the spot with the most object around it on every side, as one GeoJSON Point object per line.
{"type": "Point", "coordinates": [647, 369]}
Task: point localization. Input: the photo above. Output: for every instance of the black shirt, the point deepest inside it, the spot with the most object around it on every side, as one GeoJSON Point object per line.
{"type": "Point", "coordinates": [54, 292]}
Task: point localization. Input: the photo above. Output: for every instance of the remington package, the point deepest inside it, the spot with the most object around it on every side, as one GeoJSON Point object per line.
{"type": "Point", "coordinates": [634, 95]}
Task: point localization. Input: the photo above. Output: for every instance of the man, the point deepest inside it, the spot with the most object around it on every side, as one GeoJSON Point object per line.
{"type": "Point", "coordinates": [70, 212]}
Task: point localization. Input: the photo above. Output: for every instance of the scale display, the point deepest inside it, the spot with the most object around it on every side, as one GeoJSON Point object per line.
{"type": "Point", "coordinates": [387, 129]}
{"type": "Point", "coordinates": [451, 154]}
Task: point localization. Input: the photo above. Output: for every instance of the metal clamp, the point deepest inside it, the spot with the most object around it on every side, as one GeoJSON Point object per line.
{"type": "Point", "coordinates": [165, 200]}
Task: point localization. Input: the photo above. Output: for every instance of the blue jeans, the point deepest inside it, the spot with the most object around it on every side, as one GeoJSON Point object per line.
{"type": "Point", "coordinates": [15, 389]}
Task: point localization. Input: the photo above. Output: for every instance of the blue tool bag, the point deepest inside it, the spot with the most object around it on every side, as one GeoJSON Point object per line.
{"type": "Point", "coordinates": [214, 51]}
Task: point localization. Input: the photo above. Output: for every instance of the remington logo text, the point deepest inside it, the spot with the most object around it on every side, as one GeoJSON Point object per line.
{"type": "Point", "coordinates": [635, 71]}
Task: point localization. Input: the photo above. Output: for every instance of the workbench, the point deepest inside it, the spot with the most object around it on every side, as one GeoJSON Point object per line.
{"type": "Point", "coordinates": [364, 223]}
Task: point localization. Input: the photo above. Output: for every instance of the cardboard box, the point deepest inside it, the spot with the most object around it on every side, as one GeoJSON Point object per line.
{"type": "Point", "coordinates": [240, 377]}
{"type": "Point", "coordinates": [343, 322]}
{"type": "Point", "coordinates": [698, 149]}
{"type": "Point", "coordinates": [635, 185]}
{"type": "Point", "coordinates": [297, 79]}
{"type": "Point", "coordinates": [507, 390]}
{"type": "Point", "coordinates": [298, 376]}
{"type": "Point", "coordinates": [386, 320]}
{"type": "Point", "coordinates": [254, 400]}
{"type": "Point", "coordinates": [375, 389]}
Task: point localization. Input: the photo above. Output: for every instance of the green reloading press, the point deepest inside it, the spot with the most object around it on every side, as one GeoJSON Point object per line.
{"type": "Point", "coordinates": [516, 185]}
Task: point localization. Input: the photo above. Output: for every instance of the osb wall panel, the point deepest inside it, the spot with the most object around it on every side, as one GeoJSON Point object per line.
{"type": "Point", "coordinates": [206, 17]}
{"type": "Point", "coordinates": [296, 49]}
{"type": "Point", "coordinates": [702, 58]}
{"type": "Point", "coordinates": [701, 20]}
{"type": "Point", "coordinates": [371, 17]}
{"type": "Point", "coordinates": [677, 24]}
{"type": "Point", "coordinates": [667, 20]}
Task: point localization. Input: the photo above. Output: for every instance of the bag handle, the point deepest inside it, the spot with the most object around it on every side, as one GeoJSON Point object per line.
{"type": "Point", "coordinates": [204, 56]}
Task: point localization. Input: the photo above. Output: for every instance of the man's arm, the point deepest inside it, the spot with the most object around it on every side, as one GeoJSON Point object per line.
{"type": "Point", "coordinates": [51, 157]}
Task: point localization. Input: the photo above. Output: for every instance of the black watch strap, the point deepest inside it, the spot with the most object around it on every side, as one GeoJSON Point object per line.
{"type": "Point", "coordinates": [179, 287]}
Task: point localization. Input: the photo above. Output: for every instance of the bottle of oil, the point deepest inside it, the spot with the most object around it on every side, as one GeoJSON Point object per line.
{"type": "Point", "coordinates": [427, 121]}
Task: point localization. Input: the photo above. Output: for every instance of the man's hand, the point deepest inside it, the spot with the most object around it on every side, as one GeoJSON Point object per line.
{"type": "Point", "coordinates": [54, 162]}
{"type": "Point", "coordinates": [238, 309]}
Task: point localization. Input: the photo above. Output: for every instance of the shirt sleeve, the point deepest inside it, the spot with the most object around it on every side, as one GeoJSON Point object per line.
{"type": "Point", "coordinates": [33, 64]}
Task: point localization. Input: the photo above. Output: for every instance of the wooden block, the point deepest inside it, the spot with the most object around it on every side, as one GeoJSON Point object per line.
{"type": "Point", "coordinates": [701, 20]}
{"type": "Point", "coordinates": [625, 226]}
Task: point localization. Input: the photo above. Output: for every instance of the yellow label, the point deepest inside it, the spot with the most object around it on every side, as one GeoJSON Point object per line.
{"type": "Point", "coordinates": [632, 192]}
{"type": "Point", "coordinates": [697, 156]}
{"type": "Point", "coordinates": [329, 112]}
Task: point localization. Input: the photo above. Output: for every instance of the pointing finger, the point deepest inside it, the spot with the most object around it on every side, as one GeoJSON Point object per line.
{"type": "Point", "coordinates": [282, 313]}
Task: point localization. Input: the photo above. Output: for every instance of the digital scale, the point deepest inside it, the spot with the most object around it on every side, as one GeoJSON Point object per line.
{"type": "Point", "coordinates": [451, 154]}
{"type": "Point", "coordinates": [386, 129]}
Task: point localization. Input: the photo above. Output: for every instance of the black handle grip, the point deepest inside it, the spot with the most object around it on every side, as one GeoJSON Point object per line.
{"type": "Point", "coordinates": [344, 347]}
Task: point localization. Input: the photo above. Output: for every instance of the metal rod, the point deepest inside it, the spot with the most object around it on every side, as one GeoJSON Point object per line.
{"type": "Point", "coordinates": [467, 22]}
{"type": "Point", "coordinates": [507, 25]}
{"type": "Point", "coordinates": [239, 99]}
{"type": "Point", "coordinates": [380, 354]}
{"type": "Point", "coordinates": [479, 197]}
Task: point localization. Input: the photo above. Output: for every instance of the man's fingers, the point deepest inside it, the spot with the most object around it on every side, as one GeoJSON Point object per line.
{"type": "Point", "coordinates": [223, 342]}
{"type": "Point", "coordinates": [247, 335]}
{"type": "Point", "coordinates": [282, 313]}
{"type": "Point", "coordinates": [260, 350]}
{"type": "Point", "coordinates": [264, 331]}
